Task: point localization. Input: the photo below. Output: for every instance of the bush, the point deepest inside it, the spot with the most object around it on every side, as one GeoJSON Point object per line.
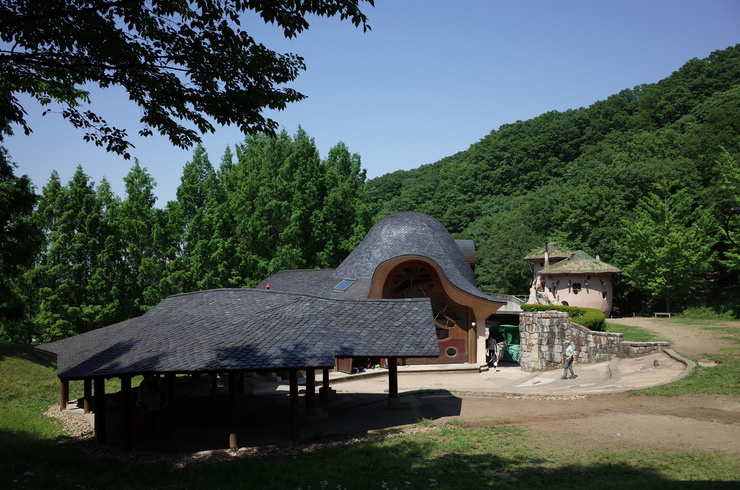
{"type": "Point", "coordinates": [707, 313]}
{"type": "Point", "coordinates": [591, 318]}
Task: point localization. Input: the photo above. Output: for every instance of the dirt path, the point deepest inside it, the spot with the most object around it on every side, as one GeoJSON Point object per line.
{"type": "Point", "coordinates": [704, 423]}
{"type": "Point", "coordinates": [685, 340]}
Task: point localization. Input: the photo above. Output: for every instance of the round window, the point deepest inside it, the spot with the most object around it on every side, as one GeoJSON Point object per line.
{"type": "Point", "coordinates": [451, 352]}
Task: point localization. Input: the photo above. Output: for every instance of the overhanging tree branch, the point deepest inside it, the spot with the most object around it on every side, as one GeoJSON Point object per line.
{"type": "Point", "coordinates": [183, 62]}
{"type": "Point", "coordinates": [60, 13]}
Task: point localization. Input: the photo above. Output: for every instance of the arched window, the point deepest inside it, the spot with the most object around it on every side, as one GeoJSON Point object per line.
{"type": "Point", "coordinates": [419, 280]}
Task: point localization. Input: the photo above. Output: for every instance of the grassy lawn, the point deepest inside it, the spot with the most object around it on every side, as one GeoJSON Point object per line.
{"type": "Point", "coordinates": [721, 379]}
{"type": "Point", "coordinates": [35, 453]}
{"type": "Point", "coordinates": [635, 334]}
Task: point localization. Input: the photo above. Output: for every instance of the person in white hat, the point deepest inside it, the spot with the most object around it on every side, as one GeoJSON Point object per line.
{"type": "Point", "coordinates": [569, 356]}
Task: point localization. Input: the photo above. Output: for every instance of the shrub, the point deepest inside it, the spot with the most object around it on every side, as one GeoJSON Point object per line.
{"type": "Point", "coordinates": [707, 313]}
{"type": "Point", "coordinates": [591, 318]}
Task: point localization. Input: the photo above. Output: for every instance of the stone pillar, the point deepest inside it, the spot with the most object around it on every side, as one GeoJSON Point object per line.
{"type": "Point", "coordinates": [542, 335]}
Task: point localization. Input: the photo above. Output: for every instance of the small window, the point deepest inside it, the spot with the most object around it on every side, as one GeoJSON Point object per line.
{"type": "Point", "coordinates": [451, 352]}
{"type": "Point", "coordinates": [576, 287]}
{"type": "Point", "coordinates": [344, 284]}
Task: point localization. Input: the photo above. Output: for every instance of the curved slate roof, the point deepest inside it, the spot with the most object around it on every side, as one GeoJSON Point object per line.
{"type": "Point", "coordinates": [397, 235]}
{"type": "Point", "coordinates": [248, 329]}
{"type": "Point", "coordinates": [410, 234]}
{"type": "Point", "coordinates": [318, 282]}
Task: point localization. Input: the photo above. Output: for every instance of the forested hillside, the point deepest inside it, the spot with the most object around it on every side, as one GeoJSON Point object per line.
{"type": "Point", "coordinates": [644, 178]}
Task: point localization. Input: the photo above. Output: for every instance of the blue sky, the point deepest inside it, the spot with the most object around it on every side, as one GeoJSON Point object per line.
{"type": "Point", "coordinates": [431, 78]}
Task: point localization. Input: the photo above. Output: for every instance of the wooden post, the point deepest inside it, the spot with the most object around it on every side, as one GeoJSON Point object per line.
{"type": "Point", "coordinates": [240, 383]}
{"type": "Point", "coordinates": [393, 377]}
{"type": "Point", "coordinates": [233, 443]}
{"type": "Point", "coordinates": [325, 388]}
{"type": "Point", "coordinates": [128, 419]}
{"type": "Point", "coordinates": [100, 414]}
{"type": "Point", "coordinates": [171, 411]}
{"type": "Point", "coordinates": [63, 393]}
{"type": "Point", "coordinates": [295, 417]}
{"type": "Point", "coordinates": [87, 395]}
{"type": "Point", "coordinates": [214, 383]}
{"type": "Point", "coordinates": [394, 401]}
{"type": "Point", "coordinates": [310, 391]}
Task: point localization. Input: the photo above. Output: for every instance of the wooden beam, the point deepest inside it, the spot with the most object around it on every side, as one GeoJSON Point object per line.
{"type": "Point", "coordinates": [87, 395]}
{"type": "Point", "coordinates": [128, 418]}
{"type": "Point", "coordinates": [393, 377]}
{"type": "Point", "coordinates": [295, 417]}
{"type": "Point", "coordinates": [171, 411]}
{"type": "Point", "coordinates": [394, 401]}
{"type": "Point", "coordinates": [214, 383]}
{"type": "Point", "coordinates": [325, 391]}
{"type": "Point", "coordinates": [310, 391]}
{"type": "Point", "coordinates": [233, 443]}
{"type": "Point", "coordinates": [100, 413]}
{"type": "Point", "coordinates": [63, 393]}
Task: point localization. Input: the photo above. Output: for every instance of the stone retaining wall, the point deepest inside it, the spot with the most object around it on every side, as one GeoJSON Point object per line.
{"type": "Point", "coordinates": [543, 333]}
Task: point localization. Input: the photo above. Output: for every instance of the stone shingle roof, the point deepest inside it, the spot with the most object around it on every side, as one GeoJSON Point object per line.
{"type": "Point", "coordinates": [318, 282]}
{"type": "Point", "coordinates": [402, 234]}
{"type": "Point", "coordinates": [248, 329]}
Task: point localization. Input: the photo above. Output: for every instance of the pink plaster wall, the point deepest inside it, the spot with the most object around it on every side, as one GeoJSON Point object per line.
{"type": "Point", "coordinates": [596, 290]}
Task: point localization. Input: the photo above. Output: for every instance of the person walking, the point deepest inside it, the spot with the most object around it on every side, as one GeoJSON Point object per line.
{"type": "Point", "coordinates": [569, 357]}
{"type": "Point", "coordinates": [492, 352]}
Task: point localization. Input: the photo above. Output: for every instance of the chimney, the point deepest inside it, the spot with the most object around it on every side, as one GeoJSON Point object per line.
{"type": "Point", "coordinates": [547, 256]}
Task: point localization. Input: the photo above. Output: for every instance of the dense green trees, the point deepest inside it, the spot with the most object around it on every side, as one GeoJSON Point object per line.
{"type": "Point", "coordinates": [18, 240]}
{"type": "Point", "coordinates": [290, 210]}
{"type": "Point", "coordinates": [667, 245]}
{"type": "Point", "coordinates": [100, 259]}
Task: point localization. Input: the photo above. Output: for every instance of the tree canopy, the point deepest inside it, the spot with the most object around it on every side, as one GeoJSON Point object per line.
{"type": "Point", "coordinates": [99, 259]}
{"type": "Point", "coordinates": [186, 64]}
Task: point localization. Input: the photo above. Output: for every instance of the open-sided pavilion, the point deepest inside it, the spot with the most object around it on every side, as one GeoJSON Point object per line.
{"type": "Point", "coordinates": [230, 332]}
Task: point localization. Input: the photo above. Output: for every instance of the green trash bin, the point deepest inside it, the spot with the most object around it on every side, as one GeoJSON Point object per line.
{"type": "Point", "coordinates": [509, 334]}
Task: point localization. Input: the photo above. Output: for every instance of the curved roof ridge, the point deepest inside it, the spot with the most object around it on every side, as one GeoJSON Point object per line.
{"type": "Point", "coordinates": [409, 233]}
